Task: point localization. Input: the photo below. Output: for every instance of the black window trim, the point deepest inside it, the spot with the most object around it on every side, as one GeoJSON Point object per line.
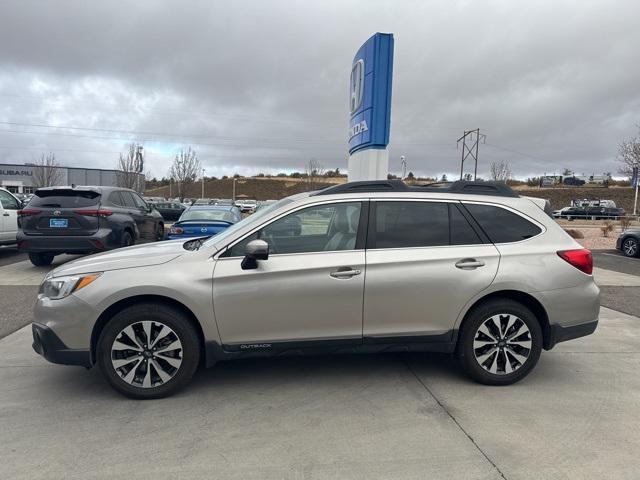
{"type": "Point", "coordinates": [451, 203]}
{"type": "Point", "coordinates": [542, 228]}
{"type": "Point", "coordinates": [361, 235]}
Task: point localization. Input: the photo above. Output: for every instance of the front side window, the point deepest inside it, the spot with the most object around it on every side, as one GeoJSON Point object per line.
{"type": "Point", "coordinates": [8, 201]}
{"type": "Point", "coordinates": [321, 228]}
{"type": "Point", "coordinates": [410, 224]}
{"type": "Point", "coordinates": [501, 225]}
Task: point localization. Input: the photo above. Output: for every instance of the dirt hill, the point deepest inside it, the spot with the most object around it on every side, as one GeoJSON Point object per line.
{"type": "Point", "coordinates": [561, 197]}
{"type": "Point", "coordinates": [256, 188]}
{"type": "Point", "coordinates": [276, 188]}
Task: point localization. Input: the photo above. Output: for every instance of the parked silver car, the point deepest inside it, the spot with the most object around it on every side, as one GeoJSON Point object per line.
{"type": "Point", "coordinates": [465, 268]}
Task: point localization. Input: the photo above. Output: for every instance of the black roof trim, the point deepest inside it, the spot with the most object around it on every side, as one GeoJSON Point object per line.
{"type": "Point", "coordinates": [498, 189]}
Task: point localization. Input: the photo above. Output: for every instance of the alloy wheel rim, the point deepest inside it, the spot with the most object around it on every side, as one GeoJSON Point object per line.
{"type": "Point", "coordinates": [502, 344]}
{"type": "Point", "coordinates": [146, 354]}
{"type": "Point", "coordinates": [630, 247]}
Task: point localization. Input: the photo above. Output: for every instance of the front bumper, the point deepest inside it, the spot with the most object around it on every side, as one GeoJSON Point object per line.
{"type": "Point", "coordinates": [47, 344]}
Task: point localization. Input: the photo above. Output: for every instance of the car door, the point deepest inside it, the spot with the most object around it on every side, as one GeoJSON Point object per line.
{"type": "Point", "coordinates": [148, 217]}
{"type": "Point", "coordinates": [136, 213]}
{"type": "Point", "coordinates": [425, 261]}
{"type": "Point", "coordinates": [9, 207]}
{"type": "Point", "coordinates": [310, 289]}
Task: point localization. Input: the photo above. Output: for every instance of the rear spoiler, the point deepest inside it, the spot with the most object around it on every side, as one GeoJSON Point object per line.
{"type": "Point", "coordinates": [543, 204]}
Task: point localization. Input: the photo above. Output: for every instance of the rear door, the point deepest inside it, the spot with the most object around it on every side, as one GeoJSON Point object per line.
{"type": "Point", "coordinates": [138, 214]}
{"type": "Point", "coordinates": [9, 206]}
{"type": "Point", "coordinates": [62, 211]}
{"type": "Point", "coordinates": [425, 261]}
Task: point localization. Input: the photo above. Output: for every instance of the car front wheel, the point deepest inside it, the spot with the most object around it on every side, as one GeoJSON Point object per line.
{"type": "Point", "coordinates": [148, 351]}
{"type": "Point", "coordinates": [630, 247]}
{"type": "Point", "coordinates": [500, 343]}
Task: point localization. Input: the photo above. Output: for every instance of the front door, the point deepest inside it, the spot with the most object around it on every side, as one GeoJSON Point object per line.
{"type": "Point", "coordinates": [9, 207]}
{"type": "Point", "coordinates": [309, 292]}
{"type": "Point", "coordinates": [425, 261]}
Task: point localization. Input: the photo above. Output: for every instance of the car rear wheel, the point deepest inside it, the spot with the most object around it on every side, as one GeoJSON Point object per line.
{"type": "Point", "coordinates": [148, 351]}
{"type": "Point", "coordinates": [630, 247]}
{"type": "Point", "coordinates": [500, 343]}
{"type": "Point", "coordinates": [127, 239]}
{"type": "Point", "coordinates": [41, 259]}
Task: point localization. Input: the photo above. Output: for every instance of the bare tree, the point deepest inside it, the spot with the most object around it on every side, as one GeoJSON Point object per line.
{"type": "Point", "coordinates": [500, 172]}
{"type": "Point", "coordinates": [314, 171]}
{"type": "Point", "coordinates": [629, 155]}
{"type": "Point", "coordinates": [47, 171]}
{"type": "Point", "coordinates": [184, 170]}
{"type": "Point", "coordinates": [128, 168]}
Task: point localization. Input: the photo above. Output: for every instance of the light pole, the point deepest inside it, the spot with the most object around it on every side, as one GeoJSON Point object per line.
{"type": "Point", "coordinates": [636, 177]}
{"type": "Point", "coordinates": [233, 197]}
{"type": "Point", "coordinates": [403, 162]}
{"type": "Point", "coordinates": [202, 196]}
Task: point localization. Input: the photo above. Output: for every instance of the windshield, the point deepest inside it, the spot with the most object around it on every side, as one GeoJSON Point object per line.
{"type": "Point", "coordinates": [253, 219]}
{"type": "Point", "coordinates": [223, 215]}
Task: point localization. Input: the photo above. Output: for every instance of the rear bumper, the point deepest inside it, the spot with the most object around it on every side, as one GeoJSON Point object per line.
{"type": "Point", "coordinates": [559, 333]}
{"type": "Point", "coordinates": [103, 239]}
{"type": "Point", "coordinates": [47, 344]}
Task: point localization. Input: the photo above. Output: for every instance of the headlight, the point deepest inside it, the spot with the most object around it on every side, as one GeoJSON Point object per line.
{"type": "Point", "coordinates": [60, 287]}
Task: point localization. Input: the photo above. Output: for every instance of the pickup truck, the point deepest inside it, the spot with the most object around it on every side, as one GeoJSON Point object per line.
{"type": "Point", "coordinates": [9, 206]}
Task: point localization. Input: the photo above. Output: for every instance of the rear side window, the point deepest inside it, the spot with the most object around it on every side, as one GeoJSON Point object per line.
{"type": "Point", "coordinates": [59, 198]}
{"type": "Point", "coordinates": [114, 197]}
{"type": "Point", "coordinates": [410, 224]}
{"type": "Point", "coordinates": [501, 225]}
{"type": "Point", "coordinates": [128, 200]}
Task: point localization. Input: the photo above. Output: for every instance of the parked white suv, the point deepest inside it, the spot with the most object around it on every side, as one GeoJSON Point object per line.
{"type": "Point", "coordinates": [468, 268]}
{"type": "Point", "coordinates": [9, 206]}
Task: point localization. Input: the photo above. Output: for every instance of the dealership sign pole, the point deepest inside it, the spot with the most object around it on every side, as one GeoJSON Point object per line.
{"type": "Point", "coordinates": [370, 109]}
{"type": "Point", "coordinates": [634, 183]}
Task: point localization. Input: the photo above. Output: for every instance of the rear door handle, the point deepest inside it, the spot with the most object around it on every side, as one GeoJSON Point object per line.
{"type": "Point", "coordinates": [469, 264]}
{"type": "Point", "coordinates": [345, 273]}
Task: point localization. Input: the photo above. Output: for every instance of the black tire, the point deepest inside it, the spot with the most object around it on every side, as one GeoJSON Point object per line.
{"type": "Point", "coordinates": [160, 234]}
{"type": "Point", "coordinates": [630, 247]}
{"type": "Point", "coordinates": [170, 317]}
{"type": "Point", "coordinates": [475, 319]}
{"type": "Point", "coordinates": [41, 259]}
{"type": "Point", "coordinates": [127, 239]}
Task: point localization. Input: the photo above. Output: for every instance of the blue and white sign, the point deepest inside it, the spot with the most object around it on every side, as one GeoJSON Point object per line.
{"type": "Point", "coordinates": [370, 94]}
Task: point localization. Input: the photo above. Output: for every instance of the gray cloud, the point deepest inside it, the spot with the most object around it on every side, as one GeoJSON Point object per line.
{"type": "Point", "coordinates": [261, 86]}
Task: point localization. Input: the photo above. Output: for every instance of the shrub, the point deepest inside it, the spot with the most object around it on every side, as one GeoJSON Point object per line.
{"type": "Point", "coordinates": [573, 233]}
{"type": "Point", "coordinates": [607, 228]}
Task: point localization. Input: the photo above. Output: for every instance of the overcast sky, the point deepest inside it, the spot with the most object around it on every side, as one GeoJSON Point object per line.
{"type": "Point", "coordinates": [263, 86]}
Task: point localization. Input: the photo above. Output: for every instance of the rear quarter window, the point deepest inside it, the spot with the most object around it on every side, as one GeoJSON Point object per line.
{"type": "Point", "coordinates": [501, 225]}
{"type": "Point", "coordinates": [65, 199]}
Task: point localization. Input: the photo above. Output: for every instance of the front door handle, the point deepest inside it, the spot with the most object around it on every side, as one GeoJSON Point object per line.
{"type": "Point", "coordinates": [345, 273]}
{"type": "Point", "coordinates": [469, 264]}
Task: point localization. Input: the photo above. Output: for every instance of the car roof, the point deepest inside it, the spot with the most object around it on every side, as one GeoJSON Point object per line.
{"type": "Point", "coordinates": [226, 208]}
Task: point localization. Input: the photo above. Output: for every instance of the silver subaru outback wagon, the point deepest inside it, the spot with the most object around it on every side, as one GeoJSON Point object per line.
{"type": "Point", "coordinates": [468, 268]}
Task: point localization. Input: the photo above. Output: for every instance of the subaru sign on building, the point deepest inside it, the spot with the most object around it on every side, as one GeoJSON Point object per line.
{"type": "Point", "coordinates": [370, 108]}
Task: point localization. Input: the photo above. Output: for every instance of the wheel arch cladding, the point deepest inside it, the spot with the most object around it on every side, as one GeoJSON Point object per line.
{"type": "Point", "coordinates": [120, 305]}
{"type": "Point", "coordinates": [521, 297]}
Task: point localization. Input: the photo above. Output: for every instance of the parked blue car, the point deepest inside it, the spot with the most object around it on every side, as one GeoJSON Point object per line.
{"type": "Point", "coordinates": [204, 221]}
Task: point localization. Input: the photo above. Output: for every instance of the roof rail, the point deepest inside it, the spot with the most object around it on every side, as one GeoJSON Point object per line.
{"type": "Point", "coordinates": [498, 189]}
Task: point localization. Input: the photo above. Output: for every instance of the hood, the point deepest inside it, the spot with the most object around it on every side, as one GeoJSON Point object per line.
{"type": "Point", "coordinates": [130, 257]}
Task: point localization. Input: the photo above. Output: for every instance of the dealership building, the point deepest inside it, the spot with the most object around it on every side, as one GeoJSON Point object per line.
{"type": "Point", "coordinates": [21, 178]}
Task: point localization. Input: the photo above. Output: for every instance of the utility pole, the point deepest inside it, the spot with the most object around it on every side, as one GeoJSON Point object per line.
{"type": "Point", "coordinates": [202, 196]}
{"type": "Point", "coordinates": [233, 198]}
{"type": "Point", "coordinates": [470, 149]}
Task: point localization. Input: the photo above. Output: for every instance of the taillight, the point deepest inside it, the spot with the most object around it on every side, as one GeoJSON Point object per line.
{"type": "Point", "coordinates": [28, 212]}
{"type": "Point", "coordinates": [176, 230]}
{"type": "Point", "coordinates": [581, 259]}
{"type": "Point", "coordinates": [94, 213]}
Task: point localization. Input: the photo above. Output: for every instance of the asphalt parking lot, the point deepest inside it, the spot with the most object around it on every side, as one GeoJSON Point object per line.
{"type": "Point", "coordinates": [370, 416]}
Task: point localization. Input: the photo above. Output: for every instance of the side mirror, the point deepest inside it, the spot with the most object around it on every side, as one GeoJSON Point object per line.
{"type": "Point", "coordinates": [255, 250]}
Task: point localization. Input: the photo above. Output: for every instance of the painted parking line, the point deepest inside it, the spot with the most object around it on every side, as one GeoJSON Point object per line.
{"type": "Point", "coordinates": [620, 256]}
